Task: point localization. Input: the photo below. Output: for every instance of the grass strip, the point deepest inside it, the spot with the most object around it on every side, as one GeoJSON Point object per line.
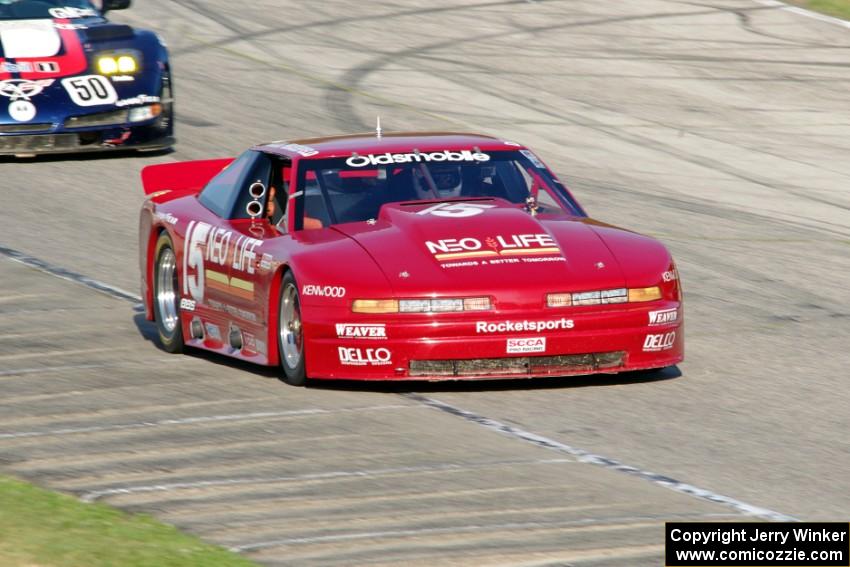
{"type": "Point", "coordinates": [39, 528]}
{"type": "Point", "coordinates": [837, 8]}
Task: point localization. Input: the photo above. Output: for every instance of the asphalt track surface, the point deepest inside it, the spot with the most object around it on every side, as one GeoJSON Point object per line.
{"type": "Point", "coordinates": [721, 127]}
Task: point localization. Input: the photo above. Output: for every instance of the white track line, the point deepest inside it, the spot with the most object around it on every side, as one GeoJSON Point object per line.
{"type": "Point", "coordinates": [608, 463]}
{"type": "Point", "coordinates": [195, 420]}
{"type": "Point", "coordinates": [467, 529]}
{"type": "Point", "coordinates": [69, 275]}
{"type": "Point", "coordinates": [804, 12]}
{"type": "Point", "coordinates": [168, 487]}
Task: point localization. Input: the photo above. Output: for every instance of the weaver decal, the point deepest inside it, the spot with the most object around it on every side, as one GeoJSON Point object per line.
{"type": "Point", "coordinates": [513, 245]}
{"type": "Point", "coordinates": [654, 343]}
{"type": "Point", "coordinates": [364, 356]}
{"type": "Point", "coordinates": [417, 157]}
{"type": "Point", "coordinates": [515, 326]}
{"type": "Point", "coordinates": [669, 276]}
{"type": "Point", "coordinates": [526, 345]}
{"type": "Point", "coordinates": [357, 331]}
{"type": "Point", "coordinates": [206, 250]}
{"type": "Point", "coordinates": [663, 317]}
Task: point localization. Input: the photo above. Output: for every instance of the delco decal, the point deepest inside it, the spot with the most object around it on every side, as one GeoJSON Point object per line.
{"type": "Point", "coordinates": [511, 245]}
{"type": "Point", "coordinates": [364, 356]}
{"type": "Point", "coordinates": [520, 346]}
{"type": "Point", "coordinates": [654, 343]}
{"type": "Point", "coordinates": [515, 326]}
{"type": "Point", "coordinates": [353, 331]}
{"type": "Point", "coordinates": [187, 304]}
{"type": "Point", "coordinates": [207, 247]}
{"type": "Point", "coordinates": [323, 290]}
{"type": "Point", "coordinates": [663, 317]}
{"type": "Point", "coordinates": [419, 157]}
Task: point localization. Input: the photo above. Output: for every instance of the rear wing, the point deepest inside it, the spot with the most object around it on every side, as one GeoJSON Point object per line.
{"type": "Point", "coordinates": [188, 176]}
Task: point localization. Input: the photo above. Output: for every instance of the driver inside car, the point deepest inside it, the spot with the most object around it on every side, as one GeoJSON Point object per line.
{"type": "Point", "coordinates": [437, 181]}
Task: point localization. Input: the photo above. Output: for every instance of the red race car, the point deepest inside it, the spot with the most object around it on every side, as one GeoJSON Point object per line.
{"type": "Point", "coordinates": [409, 256]}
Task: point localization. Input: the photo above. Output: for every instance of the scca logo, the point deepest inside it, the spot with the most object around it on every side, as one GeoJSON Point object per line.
{"type": "Point", "coordinates": [535, 344]}
{"type": "Point", "coordinates": [365, 356]}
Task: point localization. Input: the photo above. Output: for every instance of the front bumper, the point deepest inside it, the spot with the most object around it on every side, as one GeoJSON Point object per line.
{"type": "Point", "coordinates": [455, 347]}
{"type": "Point", "coordinates": [55, 140]}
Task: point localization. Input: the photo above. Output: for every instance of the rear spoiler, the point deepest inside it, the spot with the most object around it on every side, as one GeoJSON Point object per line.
{"type": "Point", "coordinates": [188, 176]}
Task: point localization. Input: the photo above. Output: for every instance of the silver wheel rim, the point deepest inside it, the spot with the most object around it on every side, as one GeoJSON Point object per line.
{"type": "Point", "coordinates": [166, 289]}
{"type": "Point", "coordinates": [291, 338]}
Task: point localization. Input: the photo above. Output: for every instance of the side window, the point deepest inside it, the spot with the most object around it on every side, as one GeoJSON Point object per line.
{"type": "Point", "coordinates": [222, 191]}
{"type": "Point", "coordinates": [257, 172]}
{"type": "Point", "coordinates": [279, 194]}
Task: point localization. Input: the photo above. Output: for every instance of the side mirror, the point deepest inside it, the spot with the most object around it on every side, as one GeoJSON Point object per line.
{"type": "Point", "coordinates": [114, 5]}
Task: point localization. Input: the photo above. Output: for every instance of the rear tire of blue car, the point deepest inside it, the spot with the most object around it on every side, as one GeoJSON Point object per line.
{"type": "Point", "coordinates": [166, 295]}
{"type": "Point", "coordinates": [290, 333]}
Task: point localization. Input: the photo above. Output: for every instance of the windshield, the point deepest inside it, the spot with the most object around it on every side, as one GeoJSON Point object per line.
{"type": "Point", "coordinates": [354, 189]}
{"type": "Point", "coordinates": [59, 9]}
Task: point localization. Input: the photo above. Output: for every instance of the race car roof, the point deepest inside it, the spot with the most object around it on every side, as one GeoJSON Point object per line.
{"type": "Point", "coordinates": [393, 142]}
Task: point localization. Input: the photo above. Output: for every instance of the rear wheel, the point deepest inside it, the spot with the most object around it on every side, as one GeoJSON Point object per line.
{"type": "Point", "coordinates": [290, 335]}
{"type": "Point", "coordinates": [166, 295]}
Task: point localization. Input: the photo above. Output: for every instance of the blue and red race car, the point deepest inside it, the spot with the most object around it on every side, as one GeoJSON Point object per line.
{"type": "Point", "coordinates": [71, 81]}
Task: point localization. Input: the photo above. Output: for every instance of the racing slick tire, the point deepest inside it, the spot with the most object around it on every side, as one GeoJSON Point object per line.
{"type": "Point", "coordinates": [290, 334]}
{"type": "Point", "coordinates": [166, 295]}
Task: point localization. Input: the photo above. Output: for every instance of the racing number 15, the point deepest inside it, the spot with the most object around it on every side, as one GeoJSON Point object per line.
{"type": "Point", "coordinates": [90, 90]}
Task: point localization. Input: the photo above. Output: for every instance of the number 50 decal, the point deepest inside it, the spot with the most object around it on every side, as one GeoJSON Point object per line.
{"type": "Point", "coordinates": [90, 90]}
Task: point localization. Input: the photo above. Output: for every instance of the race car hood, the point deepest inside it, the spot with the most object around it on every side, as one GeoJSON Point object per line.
{"type": "Point", "coordinates": [44, 49]}
{"type": "Point", "coordinates": [501, 249]}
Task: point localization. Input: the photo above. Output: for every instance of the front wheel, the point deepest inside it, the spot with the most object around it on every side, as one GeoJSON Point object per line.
{"type": "Point", "coordinates": [290, 335]}
{"type": "Point", "coordinates": [166, 295]}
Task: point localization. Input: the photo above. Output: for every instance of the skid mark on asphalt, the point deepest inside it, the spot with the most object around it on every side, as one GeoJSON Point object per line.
{"type": "Point", "coordinates": [447, 467]}
{"type": "Point", "coordinates": [599, 460]}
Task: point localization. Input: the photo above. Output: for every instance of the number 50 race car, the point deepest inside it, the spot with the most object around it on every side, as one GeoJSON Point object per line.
{"type": "Point", "coordinates": [70, 81]}
{"type": "Point", "coordinates": [407, 256]}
